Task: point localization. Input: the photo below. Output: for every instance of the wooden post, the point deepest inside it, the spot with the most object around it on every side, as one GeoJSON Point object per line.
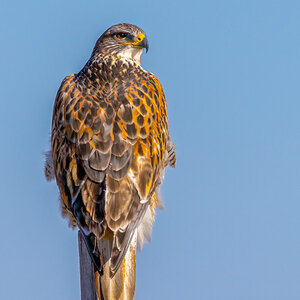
{"type": "Point", "coordinates": [87, 275]}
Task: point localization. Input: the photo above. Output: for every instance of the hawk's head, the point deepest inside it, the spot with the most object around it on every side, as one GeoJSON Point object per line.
{"type": "Point", "coordinates": [123, 40]}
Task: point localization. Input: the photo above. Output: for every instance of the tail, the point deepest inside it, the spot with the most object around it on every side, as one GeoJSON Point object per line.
{"type": "Point", "coordinates": [122, 285]}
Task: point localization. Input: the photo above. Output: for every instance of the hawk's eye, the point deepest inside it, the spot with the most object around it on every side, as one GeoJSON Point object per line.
{"type": "Point", "coordinates": [121, 35]}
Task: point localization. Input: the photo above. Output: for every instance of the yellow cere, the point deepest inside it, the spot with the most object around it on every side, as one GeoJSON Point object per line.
{"type": "Point", "coordinates": [140, 37]}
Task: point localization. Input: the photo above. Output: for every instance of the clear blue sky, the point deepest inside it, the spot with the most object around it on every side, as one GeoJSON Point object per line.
{"type": "Point", "coordinates": [230, 229]}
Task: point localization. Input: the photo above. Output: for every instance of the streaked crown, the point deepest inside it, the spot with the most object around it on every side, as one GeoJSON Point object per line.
{"type": "Point", "coordinates": [123, 40]}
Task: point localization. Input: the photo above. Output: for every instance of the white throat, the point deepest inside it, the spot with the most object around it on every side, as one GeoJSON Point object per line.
{"type": "Point", "coordinates": [133, 53]}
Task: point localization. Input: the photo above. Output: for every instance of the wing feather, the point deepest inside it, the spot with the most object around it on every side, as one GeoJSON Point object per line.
{"type": "Point", "coordinates": [116, 135]}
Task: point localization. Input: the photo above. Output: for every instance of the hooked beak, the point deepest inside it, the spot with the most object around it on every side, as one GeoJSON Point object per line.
{"type": "Point", "coordinates": [144, 44]}
{"type": "Point", "coordinates": [141, 41]}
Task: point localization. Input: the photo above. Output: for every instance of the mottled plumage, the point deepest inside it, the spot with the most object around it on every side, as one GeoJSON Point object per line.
{"type": "Point", "coordinates": [110, 145]}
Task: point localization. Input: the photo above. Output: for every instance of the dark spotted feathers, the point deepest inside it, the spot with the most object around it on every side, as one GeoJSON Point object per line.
{"type": "Point", "coordinates": [109, 147]}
